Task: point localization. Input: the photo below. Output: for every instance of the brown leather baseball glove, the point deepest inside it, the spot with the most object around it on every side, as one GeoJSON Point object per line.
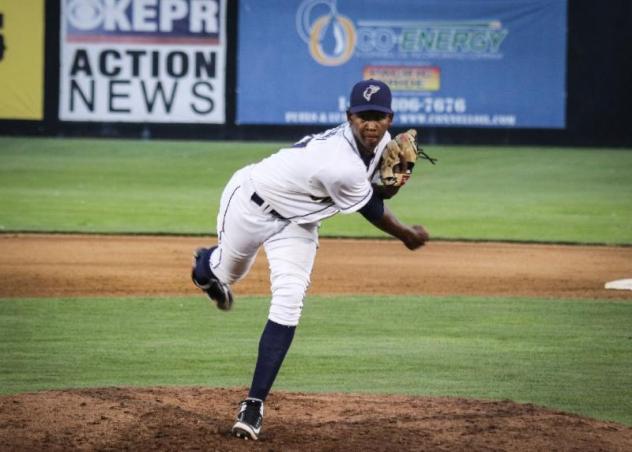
{"type": "Point", "coordinates": [399, 157]}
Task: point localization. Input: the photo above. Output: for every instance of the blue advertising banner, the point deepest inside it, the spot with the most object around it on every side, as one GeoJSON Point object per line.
{"type": "Point", "coordinates": [451, 63]}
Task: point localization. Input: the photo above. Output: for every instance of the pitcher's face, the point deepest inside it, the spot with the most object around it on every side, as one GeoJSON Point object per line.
{"type": "Point", "coordinates": [369, 127]}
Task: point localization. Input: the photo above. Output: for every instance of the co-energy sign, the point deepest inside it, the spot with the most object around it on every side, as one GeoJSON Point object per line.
{"type": "Point", "coordinates": [143, 60]}
{"type": "Point", "coordinates": [480, 63]}
{"type": "Point", "coordinates": [319, 21]}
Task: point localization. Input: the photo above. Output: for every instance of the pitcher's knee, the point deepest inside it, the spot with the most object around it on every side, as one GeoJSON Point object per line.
{"type": "Point", "coordinates": [287, 304]}
{"type": "Point", "coordinates": [229, 265]}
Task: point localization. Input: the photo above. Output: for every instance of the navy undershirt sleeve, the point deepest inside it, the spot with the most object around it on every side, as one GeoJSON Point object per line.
{"type": "Point", "coordinates": [374, 209]}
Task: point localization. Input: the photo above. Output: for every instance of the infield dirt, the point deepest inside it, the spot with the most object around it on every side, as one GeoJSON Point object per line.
{"type": "Point", "coordinates": [200, 418]}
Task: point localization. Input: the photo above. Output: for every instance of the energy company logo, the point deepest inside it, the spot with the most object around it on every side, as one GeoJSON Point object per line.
{"type": "Point", "coordinates": [143, 21]}
{"type": "Point", "coordinates": [448, 39]}
{"type": "Point", "coordinates": [331, 37]}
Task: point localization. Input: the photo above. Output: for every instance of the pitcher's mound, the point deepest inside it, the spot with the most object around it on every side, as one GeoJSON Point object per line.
{"type": "Point", "coordinates": [201, 418]}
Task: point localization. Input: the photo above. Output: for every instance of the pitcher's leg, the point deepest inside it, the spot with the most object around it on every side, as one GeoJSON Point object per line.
{"type": "Point", "coordinates": [238, 232]}
{"type": "Point", "coordinates": [242, 227]}
{"type": "Point", "coordinates": [291, 256]}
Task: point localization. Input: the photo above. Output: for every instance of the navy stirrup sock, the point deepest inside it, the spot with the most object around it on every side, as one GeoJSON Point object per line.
{"type": "Point", "coordinates": [273, 345]}
{"type": "Point", "coordinates": [203, 268]}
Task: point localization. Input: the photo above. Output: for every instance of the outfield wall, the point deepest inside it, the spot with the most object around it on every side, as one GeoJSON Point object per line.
{"type": "Point", "coordinates": [192, 69]}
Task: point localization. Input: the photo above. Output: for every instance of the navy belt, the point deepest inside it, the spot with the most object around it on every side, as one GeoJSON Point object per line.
{"type": "Point", "coordinates": [260, 202]}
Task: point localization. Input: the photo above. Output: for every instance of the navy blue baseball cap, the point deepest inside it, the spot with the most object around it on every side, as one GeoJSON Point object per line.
{"type": "Point", "coordinates": [370, 95]}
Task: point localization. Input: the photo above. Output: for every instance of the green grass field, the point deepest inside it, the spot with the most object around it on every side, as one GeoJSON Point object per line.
{"type": "Point", "coordinates": [495, 193]}
{"type": "Point", "coordinates": [566, 354]}
{"type": "Point", "coordinates": [571, 355]}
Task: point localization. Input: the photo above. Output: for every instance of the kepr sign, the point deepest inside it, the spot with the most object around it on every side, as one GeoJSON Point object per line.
{"type": "Point", "coordinates": [143, 61]}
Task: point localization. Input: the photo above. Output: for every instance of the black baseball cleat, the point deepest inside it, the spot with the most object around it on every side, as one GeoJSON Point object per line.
{"type": "Point", "coordinates": [204, 279]}
{"type": "Point", "coordinates": [249, 419]}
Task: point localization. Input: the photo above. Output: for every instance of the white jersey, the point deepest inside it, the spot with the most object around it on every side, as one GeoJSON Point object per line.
{"type": "Point", "coordinates": [318, 177]}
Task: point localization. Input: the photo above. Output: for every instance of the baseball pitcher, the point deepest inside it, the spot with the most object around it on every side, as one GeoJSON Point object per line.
{"type": "Point", "coordinates": [279, 203]}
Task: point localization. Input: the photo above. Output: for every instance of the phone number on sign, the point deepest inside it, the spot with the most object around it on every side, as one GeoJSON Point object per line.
{"type": "Point", "coordinates": [429, 105]}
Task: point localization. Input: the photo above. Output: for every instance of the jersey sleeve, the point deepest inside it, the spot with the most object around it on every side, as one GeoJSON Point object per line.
{"type": "Point", "coordinates": [349, 191]}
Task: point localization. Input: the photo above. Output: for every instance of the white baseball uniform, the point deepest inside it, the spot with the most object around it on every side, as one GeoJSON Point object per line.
{"type": "Point", "coordinates": [280, 201]}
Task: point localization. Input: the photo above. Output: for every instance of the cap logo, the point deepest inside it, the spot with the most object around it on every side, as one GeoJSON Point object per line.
{"type": "Point", "coordinates": [369, 91]}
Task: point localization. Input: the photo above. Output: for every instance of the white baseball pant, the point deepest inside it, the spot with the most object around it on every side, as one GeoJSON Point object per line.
{"type": "Point", "coordinates": [243, 226]}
